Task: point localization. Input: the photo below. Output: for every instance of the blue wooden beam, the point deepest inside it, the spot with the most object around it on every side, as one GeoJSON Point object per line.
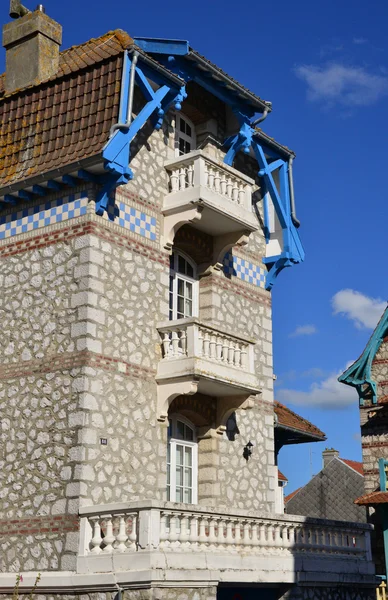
{"type": "Point", "coordinates": [86, 176]}
{"type": "Point", "coordinates": [161, 46]}
{"type": "Point", "coordinates": [25, 195]}
{"type": "Point", "coordinates": [9, 199]}
{"type": "Point", "coordinates": [69, 180]}
{"type": "Point", "coordinates": [39, 190]}
{"type": "Point", "coordinates": [54, 185]}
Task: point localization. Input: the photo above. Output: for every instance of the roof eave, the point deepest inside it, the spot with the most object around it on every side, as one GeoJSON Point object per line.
{"type": "Point", "coordinates": [311, 436]}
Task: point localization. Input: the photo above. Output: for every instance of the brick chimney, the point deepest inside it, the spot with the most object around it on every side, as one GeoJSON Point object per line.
{"type": "Point", "coordinates": [32, 49]}
{"type": "Point", "coordinates": [328, 454]}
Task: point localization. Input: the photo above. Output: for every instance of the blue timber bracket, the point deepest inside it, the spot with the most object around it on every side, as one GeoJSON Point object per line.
{"type": "Point", "coordinates": [359, 374]}
{"type": "Point", "coordinates": [116, 153]}
{"type": "Point", "coordinates": [292, 250]}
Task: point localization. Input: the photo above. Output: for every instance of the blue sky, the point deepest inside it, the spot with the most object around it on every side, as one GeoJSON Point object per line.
{"type": "Point", "coordinates": [324, 67]}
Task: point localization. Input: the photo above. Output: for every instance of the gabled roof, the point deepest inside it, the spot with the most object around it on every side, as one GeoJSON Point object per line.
{"type": "Point", "coordinates": [355, 465]}
{"type": "Point", "coordinates": [291, 421]}
{"type": "Point", "coordinates": [287, 498]}
{"type": "Point", "coordinates": [281, 477]}
{"type": "Point", "coordinates": [359, 374]}
{"type": "Point", "coordinates": [372, 499]}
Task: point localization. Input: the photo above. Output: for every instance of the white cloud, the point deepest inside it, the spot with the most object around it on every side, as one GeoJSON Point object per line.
{"type": "Point", "coordinates": [327, 394]}
{"type": "Point", "coordinates": [336, 83]}
{"type": "Point", "coordinates": [359, 41]}
{"type": "Point", "coordinates": [304, 330]}
{"type": "Point", "coordinates": [363, 310]}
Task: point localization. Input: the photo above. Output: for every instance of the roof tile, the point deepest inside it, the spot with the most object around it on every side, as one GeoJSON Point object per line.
{"type": "Point", "coordinates": [288, 418]}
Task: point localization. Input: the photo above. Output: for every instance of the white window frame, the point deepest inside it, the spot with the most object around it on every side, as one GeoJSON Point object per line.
{"type": "Point", "coordinates": [173, 442]}
{"type": "Point", "coordinates": [175, 274]}
{"type": "Point", "coordinates": [180, 135]}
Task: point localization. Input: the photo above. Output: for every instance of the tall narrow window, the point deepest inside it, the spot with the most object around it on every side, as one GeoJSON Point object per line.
{"type": "Point", "coordinates": [185, 140]}
{"type": "Point", "coordinates": [183, 287]}
{"type": "Point", "coordinates": [182, 461]}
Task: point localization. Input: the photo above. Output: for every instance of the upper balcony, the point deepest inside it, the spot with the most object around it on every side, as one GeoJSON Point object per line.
{"type": "Point", "coordinates": [181, 542]}
{"type": "Point", "coordinates": [214, 197]}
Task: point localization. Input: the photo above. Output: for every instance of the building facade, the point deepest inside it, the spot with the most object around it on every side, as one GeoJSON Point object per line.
{"type": "Point", "coordinates": [144, 220]}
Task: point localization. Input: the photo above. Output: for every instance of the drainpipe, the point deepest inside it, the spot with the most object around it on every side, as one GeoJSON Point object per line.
{"type": "Point", "coordinates": [261, 119]}
{"type": "Point", "coordinates": [294, 219]}
{"type": "Point", "coordinates": [128, 118]}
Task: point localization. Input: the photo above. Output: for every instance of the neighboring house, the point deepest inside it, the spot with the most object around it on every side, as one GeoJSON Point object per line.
{"type": "Point", "coordinates": [290, 428]}
{"type": "Point", "coordinates": [331, 493]}
{"type": "Point", "coordinates": [144, 220]}
{"type": "Point", "coordinates": [369, 375]}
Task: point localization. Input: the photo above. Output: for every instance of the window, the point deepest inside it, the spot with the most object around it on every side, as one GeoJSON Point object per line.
{"type": "Point", "coordinates": [182, 461]}
{"type": "Point", "coordinates": [185, 140]}
{"type": "Point", "coordinates": [183, 287]}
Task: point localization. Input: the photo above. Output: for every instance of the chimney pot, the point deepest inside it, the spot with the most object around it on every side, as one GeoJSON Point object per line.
{"type": "Point", "coordinates": [32, 49]}
{"type": "Point", "coordinates": [327, 456]}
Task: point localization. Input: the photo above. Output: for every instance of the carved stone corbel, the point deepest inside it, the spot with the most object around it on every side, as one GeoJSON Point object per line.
{"type": "Point", "coordinates": [172, 222]}
{"type": "Point", "coordinates": [168, 390]}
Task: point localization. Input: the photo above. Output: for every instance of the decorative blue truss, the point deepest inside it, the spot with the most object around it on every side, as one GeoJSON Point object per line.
{"type": "Point", "coordinates": [116, 153]}
{"type": "Point", "coordinates": [359, 374]}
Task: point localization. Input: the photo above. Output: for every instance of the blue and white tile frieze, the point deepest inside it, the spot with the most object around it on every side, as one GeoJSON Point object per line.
{"type": "Point", "coordinates": [42, 215]}
{"type": "Point", "coordinates": [132, 219]}
{"type": "Point", "coordinates": [244, 270]}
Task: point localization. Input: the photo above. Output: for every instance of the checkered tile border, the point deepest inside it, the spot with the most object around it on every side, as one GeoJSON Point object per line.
{"type": "Point", "coordinates": [244, 270]}
{"type": "Point", "coordinates": [35, 217]}
{"type": "Point", "coordinates": [132, 219]}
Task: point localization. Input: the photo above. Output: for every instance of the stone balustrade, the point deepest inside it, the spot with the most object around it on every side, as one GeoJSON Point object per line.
{"type": "Point", "coordinates": [198, 169]}
{"type": "Point", "coordinates": [190, 338]}
{"type": "Point", "coordinates": [189, 528]}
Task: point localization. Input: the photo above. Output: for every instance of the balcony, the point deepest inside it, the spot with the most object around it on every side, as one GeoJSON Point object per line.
{"type": "Point", "coordinates": [180, 542]}
{"type": "Point", "coordinates": [214, 197]}
{"type": "Point", "coordinates": [210, 360]}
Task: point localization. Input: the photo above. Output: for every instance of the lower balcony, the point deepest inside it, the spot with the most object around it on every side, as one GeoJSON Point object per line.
{"type": "Point", "coordinates": [197, 357]}
{"type": "Point", "coordinates": [179, 542]}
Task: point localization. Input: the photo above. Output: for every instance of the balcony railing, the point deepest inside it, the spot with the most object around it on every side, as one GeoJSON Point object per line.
{"type": "Point", "coordinates": [224, 363]}
{"type": "Point", "coordinates": [223, 195]}
{"type": "Point", "coordinates": [167, 527]}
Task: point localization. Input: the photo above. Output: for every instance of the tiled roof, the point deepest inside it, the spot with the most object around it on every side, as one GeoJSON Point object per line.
{"type": "Point", "coordinates": [290, 419]}
{"type": "Point", "coordinates": [287, 498]}
{"type": "Point", "coordinates": [372, 498]}
{"type": "Point", "coordinates": [66, 118]}
{"type": "Point", "coordinates": [281, 477]}
{"type": "Point", "coordinates": [354, 464]}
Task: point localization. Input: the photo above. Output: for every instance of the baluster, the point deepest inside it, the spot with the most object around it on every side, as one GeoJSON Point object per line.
{"type": "Point", "coordinates": [194, 537]}
{"type": "Point", "coordinates": [174, 344]}
{"type": "Point", "coordinates": [121, 537]}
{"type": "Point", "coordinates": [206, 343]}
{"type": "Point", "coordinates": [235, 192]}
{"type": "Point", "coordinates": [219, 348]}
{"type": "Point", "coordinates": [262, 536]}
{"type": "Point", "coordinates": [237, 355]}
{"type": "Point", "coordinates": [184, 531]}
{"type": "Point", "coordinates": [231, 353]}
{"type": "Point", "coordinates": [173, 535]}
{"type": "Point", "coordinates": [109, 538]}
{"type": "Point", "coordinates": [212, 533]}
{"type": "Point", "coordinates": [221, 534]}
{"type": "Point", "coordinates": [217, 181]}
{"type": "Point", "coordinates": [163, 531]}
{"type": "Point", "coordinates": [213, 340]}
{"type": "Point", "coordinates": [277, 536]}
{"type": "Point", "coordinates": [246, 540]}
{"type": "Point", "coordinates": [200, 341]}
{"type": "Point", "coordinates": [229, 188]}
{"type": "Point", "coordinates": [284, 536]}
{"type": "Point", "coordinates": [202, 538]}
{"type": "Point", "coordinates": [133, 535]}
{"type": "Point", "coordinates": [96, 539]}
{"type": "Point", "coordinates": [190, 175]}
{"type": "Point", "coordinates": [255, 540]}
{"type": "Point", "coordinates": [237, 534]}
{"type": "Point", "coordinates": [241, 194]}
{"type": "Point", "coordinates": [166, 344]}
{"type": "Point", "coordinates": [211, 178]}
{"type": "Point", "coordinates": [223, 185]}
{"type": "Point", "coordinates": [229, 533]}
{"type": "Point", "coordinates": [182, 178]}
{"type": "Point", "coordinates": [183, 341]}
{"type": "Point", "coordinates": [174, 180]}
{"type": "Point", "coordinates": [244, 357]}
{"type": "Point", "coordinates": [291, 536]}
{"type": "Point", "coordinates": [225, 350]}
{"type": "Point", "coordinates": [270, 535]}
{"type": "Point", "coordinates": [322, 539]}
{"type": "Point", "coordinates": [206, 175]}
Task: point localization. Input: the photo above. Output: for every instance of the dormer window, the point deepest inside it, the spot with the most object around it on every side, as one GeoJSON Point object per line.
{"type": "Point", "coordinates": [185, 139]}
{"type": "Point", "coordinates": [183, 287]}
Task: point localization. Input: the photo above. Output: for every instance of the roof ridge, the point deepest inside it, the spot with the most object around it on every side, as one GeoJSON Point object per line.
{"type": "Point", "coordinates": [120, 34]}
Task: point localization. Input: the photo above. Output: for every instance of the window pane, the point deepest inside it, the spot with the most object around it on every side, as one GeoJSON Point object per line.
{"type": "Point", "coordinates": [188, 130]}
{"type": "Point", "coordinates": [181, 146]}
{"type": "Point", "coordinates": [189, 290]}
{"type": "Point", "coordinates": [189, 270]}
{"type": "Point", "coordinates": [187, 147]}
{"type": "Point", "coordinates": [188, 475]}
{"type": "Point", "coordinates": [181, 287]}
{"type": "Point", "coordinates": [181, 265]}
{"type": "Point", "coordinates": [182, 125]}
{"type": "Point", "coordinates": [188, 496]}
{"type": "Point", "coordinates": [168, 493]}
{"type": "Point", "coordinates": [188, 308]}
{"type": "Point", "coordinates": [179, 476]}
{"type": "Point", "coordinates": [180, 430]}
{"type": "Point", "coordinates": [179, 495]}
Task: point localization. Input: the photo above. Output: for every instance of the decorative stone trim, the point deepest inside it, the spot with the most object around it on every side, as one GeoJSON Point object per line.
{"type": "Point", "coordinates": [243, 269]}
{"type": "Point", "coordinates": [44, 524]}
{"type": "Point", "coordinates": [237, 287]}
{"type": "Point", "coordinates": [67, 361]}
